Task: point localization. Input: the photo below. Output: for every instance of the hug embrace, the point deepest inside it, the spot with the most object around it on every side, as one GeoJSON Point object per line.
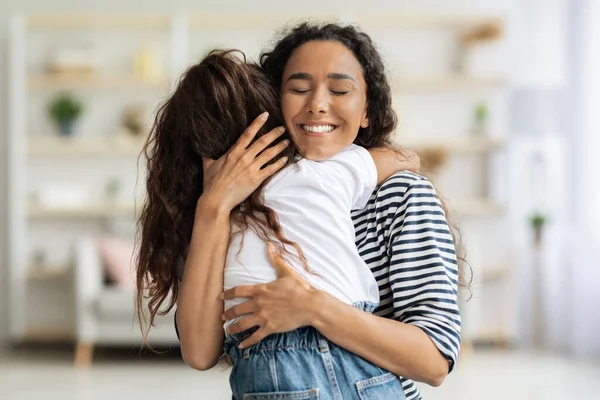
{"type": "Point", "coordinates": [293, 235]}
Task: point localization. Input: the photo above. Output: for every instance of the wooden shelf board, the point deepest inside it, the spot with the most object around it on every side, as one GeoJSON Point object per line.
{"type": "Point", "coordinates": [429, 20]}
{"type": "Point", "coordinates": [48, 333]}
{"type": "Point", "coordinates": [246, 20]}
{"type": "Point", "coordinates": [449, 82]}
{"type": "Point", "coordinates": [494, 272]}
{"type": "Point", "coordinates": [52, 82]}
{"type": "Point", "coordinates": [41, 273]}
{"type": "Point", "coordinates": [498, 337]}
{"type": "Point", "coordinates": [467, 145]}
{"type": "Point", "coordinates": [97, 20]}
{"type": "Point", "coordinates": [475, 207]}
{"type": "Point", "coordinates": [58, 146]}
{"type": "Point", "coordinates": [91, 211]}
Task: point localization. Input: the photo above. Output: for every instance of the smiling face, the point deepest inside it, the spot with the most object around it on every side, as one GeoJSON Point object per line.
{"type": "Point", "coordinates": [323, 98]}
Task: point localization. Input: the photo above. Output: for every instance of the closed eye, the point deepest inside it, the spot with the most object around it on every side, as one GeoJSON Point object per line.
{"type": "Point", "coordinates": [338, 93]}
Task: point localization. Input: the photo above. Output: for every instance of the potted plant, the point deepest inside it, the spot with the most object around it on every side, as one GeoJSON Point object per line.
{"type": "Point", "coordinates": [64, 110]}
{"type": "Point", "coordinates": [481, 118]}
{"type": "Point", "coordinates": [537, 221]}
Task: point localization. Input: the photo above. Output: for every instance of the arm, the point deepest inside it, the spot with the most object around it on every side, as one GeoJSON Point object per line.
{"type": "Point", "coordinates": [289, 303]}
{"type": "Point", "coordinates": [395, 346]}
{"type": "Point", "coordinates": [389, 161]}
{"type": "Point", "coordinates": [227, 182]}
{"type": "Point", "coordinates": [199, 306]}
{"type": "Point", "coordinates": [418, 344]}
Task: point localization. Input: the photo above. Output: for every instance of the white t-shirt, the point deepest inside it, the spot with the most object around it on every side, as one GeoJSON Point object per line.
{"type": "Point", "coordinates": [313, 200]}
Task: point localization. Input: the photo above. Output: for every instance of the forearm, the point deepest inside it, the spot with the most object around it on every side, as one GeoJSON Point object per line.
{"type": "Point", "coordinates": [400, 348]}
{"type": "Point", "coordinates": [388, 161]}
{"type": "Point", "coordinates": [199, 306]}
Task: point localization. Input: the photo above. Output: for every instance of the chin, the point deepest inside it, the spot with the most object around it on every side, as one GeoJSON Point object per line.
{"type": "Point", "coordinates": [317, 154]}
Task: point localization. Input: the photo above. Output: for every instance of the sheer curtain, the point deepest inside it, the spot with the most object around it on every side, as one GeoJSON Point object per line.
{"type": "Point", "coordinates": [584, 128]}
{"type": "Point", "coordinates": [556, 116]}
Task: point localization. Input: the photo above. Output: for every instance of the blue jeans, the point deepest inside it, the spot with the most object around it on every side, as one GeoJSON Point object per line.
{"type": "Point", "coordinates": [303, 364]}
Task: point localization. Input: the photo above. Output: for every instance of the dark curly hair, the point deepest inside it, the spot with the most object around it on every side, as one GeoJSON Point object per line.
{"type": "Point", "coordinates": [382, 117]}
{"type": "Point", "coordinates": [214, 102]}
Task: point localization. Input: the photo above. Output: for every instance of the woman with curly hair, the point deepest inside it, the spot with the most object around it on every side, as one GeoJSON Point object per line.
{"type": "Point", "coordinates": [310, 332]}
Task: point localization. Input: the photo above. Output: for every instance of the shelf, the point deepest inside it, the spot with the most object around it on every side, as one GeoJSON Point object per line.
{"type": "Point", "coordinates": [472, 144]}
{"type": "Point", "coordinates": [494, 272]}
{"type": "Point", "coordinates": [246, 20]}
{"type": "Point", "coordinates": [91, 211]}
{"type": "Point", "coordinates": [97, 20]}
{"type": "Point", "coordinates": [400, 20]}
{"type": "Point", "coordinates": [498, 338]}
{"type": "Point", "coordinates": [475, 207]}
{"type": "Point", "coordinates": [42, 273]}
{"type": "Point", "coordinates": [57, 82]}
{"type": "Point", "coordinates": [48, 333]}
{"type": "Point", "coordinates": [58, 146]}
{"type": "Point", "coordinates": [450, 82]}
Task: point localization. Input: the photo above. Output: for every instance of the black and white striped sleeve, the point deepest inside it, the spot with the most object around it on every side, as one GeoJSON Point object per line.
{"type": "Point", "coordinates": [423, 273]}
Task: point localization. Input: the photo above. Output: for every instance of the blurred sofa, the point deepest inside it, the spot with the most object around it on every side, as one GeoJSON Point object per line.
{"type": "Point", "coordinates": [105, 312]}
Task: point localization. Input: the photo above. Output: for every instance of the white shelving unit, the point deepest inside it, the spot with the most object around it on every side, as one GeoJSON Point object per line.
{"type": "Point", "coordinates": [31, 151]}
{"type": "Point", "coordinates": [93, 156]}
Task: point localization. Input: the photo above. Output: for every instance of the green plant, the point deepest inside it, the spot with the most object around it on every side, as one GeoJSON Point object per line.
{"type": "Point", "coordinates": [537, 221]}
{"type": "Point", "coordinates": [64, 108]}
{"type": "Point", "coordinates": [481, 113]}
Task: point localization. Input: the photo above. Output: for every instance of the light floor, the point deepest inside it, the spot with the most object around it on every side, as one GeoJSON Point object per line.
{"type": "Point", "coordinates": [484, 375]}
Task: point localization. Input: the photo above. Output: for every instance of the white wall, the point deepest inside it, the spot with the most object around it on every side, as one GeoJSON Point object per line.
{"type": "Point", "coordinates": [349, 7]}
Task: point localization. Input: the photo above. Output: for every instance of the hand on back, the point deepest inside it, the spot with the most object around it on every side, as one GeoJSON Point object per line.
{"type": "Point", "coordinates": [229, 180]}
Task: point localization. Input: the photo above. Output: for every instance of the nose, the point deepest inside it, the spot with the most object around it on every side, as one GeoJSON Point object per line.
{"type": "Point", "coordinates": [318, 102]}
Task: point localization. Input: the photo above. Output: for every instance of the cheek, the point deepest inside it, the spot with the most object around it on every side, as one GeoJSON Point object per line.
{"type": "Point", "coordinates": [353, 111]}
{"type": "Point", "coordinates": [290, 106]}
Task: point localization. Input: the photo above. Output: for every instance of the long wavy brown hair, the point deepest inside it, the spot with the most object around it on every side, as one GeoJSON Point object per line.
{"type": "Point", "coordinates": [214, 101]}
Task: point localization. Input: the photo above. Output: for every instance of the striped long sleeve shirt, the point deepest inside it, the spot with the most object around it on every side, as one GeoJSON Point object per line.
{"type": "Point", "coordinates": [403, 236]}
{"type": "Point", "coordinates": [405, 240]}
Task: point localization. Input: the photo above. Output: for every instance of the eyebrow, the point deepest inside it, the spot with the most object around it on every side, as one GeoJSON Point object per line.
{"type": "Point", "coordinates": [307, 77]}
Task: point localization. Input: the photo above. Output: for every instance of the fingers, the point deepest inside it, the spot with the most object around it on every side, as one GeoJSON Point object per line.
{"type": "Point", "coordinates": [281, 267]}
{"type": "Point", "coordinates": [242, 291]}
{"type": "Point", "coordinates": [250, 132]}
{"type": "Point", "coordinates": [265, 141]}
{"type": "Point", "coordinates": [254, 338]}
{"type": "Point", "coordinates": [244, 324]}
{"type": "Point", "coordinates": [247, 307]}
{"type": "Point", "coordinates": [270, 153]}
{"type": "Point", "coordinates": [271, 169]}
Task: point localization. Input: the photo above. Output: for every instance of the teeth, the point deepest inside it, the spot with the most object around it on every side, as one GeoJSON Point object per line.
{"type": "Point", "coordinates": [318, 128]}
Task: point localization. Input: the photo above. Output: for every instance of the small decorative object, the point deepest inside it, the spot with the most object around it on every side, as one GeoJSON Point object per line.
{"type": "Point", "coordinates": [112, 189]}
{"type": "Point", "coordinates": [134, 121]}
{"type": "Point", "coordinates": [538, 221]}
{"type": "Point", "coordinates": [64, 110]}
{"type": "Point", "coordinates": [39, 258]}
{"type": "Point", "coordinates": [432, 159]}
{"type": "Point", "coordinates": [146, 65]}
{"type": "Point", "coordinates": [470, 39]}
{"type": "Point", "coordinates": [481, 118]}
{"type": "Point", "coordinates": [79, 60]}
{"type": "Point", "coordinates": [63, 195]}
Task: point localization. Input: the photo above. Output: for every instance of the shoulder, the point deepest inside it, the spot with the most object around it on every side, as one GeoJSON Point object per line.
{"type": "Point", "coordinates": [400, 186]}
{"type": "Point", "coordinates": [353, 154]}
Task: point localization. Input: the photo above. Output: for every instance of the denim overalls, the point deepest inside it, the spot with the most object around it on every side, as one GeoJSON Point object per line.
{"type": "Point", "coordinates": [303, 364]}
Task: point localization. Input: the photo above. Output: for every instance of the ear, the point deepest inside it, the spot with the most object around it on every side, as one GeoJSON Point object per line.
{"type": "Point", "coordinates": [364, 121]}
